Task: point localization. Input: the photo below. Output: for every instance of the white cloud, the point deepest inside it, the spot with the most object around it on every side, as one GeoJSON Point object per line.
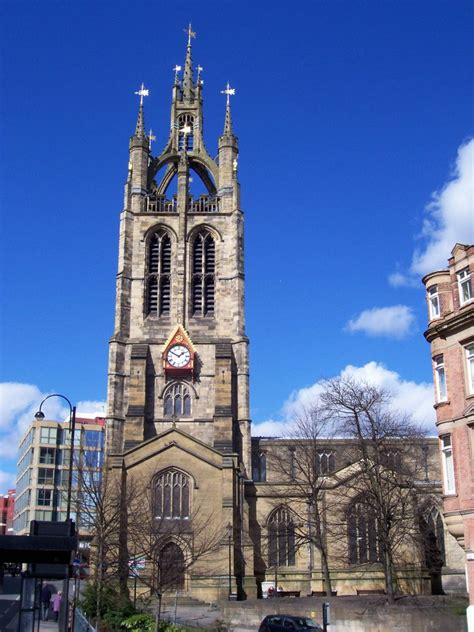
{"type": "Point", "coordinates": [18, 405]}
{"type": "Point", "coordinates": [396, 321]}
{"type": "Point", "coordinates": [410, 397]}
{"type": "Point", "coordinates": [7, 481]}
{"type": "Point", "coordinates": [397, 279]}
{"type": "Point", "coordinates": [449, 219]}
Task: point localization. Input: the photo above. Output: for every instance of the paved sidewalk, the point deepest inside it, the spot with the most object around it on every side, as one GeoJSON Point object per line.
{"type": "Point", "coordinates": [48, 626]}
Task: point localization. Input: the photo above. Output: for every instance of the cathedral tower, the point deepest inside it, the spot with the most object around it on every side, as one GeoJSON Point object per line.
{"type": "Point", "coordinates": [178, 361]}
{"type": "Point", "coordinates": [181, 264]}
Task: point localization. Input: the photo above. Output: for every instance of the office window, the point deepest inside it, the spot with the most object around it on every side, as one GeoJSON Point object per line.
{"type": "Point", "coordinates": [448, 464]}
{"type": "Point", "coordinates": [433, 302]}
{"type": "Point", "coordinates": [464, 286]}
{"type": "Point", "coordinates": [45, 476]}
{"type": "Point", "coordinates": [440, 377]}
{"type": "Point", "coordinates": [48, 435]}
{"type": "Point", "coordinates": [47, 456]}
{"type": "Point", "coordinates": [45, 497]}
{"type": "Point", "coordinates": [94, 439]}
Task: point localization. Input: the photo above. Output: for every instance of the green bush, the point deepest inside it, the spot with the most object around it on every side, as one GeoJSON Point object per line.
{"type": "Point", "coordinates": [113, 607]}
{"type": "Point", "coordinates": [139, 623]}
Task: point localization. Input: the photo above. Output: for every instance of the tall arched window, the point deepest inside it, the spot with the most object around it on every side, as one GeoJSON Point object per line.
{"type": "Point", "coordinates": [432, 533]}
{"type": "Point", "coordinates": [177, 401]}
{"type": "Point", "coordinates": [186, 120]}
{"type": "Point", "coordinates": [363, 534]}
{"type": "Point", "coordinates": [281, 538]}
{"type": "Point", "coordinates": [259, 466]}
{"type": "Point", "coordinates": [171, 567]}
{"type": "Point", "coordinates": [172, 495]}
{"type": "Point", "coordinates": [203, 275]}
{"type": "Point", "coordinates": [159, 274]}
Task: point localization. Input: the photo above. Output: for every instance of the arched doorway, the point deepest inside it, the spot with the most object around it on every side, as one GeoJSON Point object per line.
{"type": "Point", "coordinates": [171, 567]}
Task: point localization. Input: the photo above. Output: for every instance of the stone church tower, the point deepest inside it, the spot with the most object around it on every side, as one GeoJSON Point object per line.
{"type": "Point", "coordinates": [178, 363]}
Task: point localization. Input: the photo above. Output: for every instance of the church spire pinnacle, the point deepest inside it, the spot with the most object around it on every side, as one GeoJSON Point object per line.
{"type": "Point", "coordinates": [228, 129]}
{"type": "Point", "coordinates": [140, 127]}
{"type": "Point", "coordinates": [188, 65]}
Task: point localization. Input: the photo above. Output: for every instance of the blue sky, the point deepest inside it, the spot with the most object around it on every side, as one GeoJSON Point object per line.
{"type": "Point", "coordinates": [355, 127]}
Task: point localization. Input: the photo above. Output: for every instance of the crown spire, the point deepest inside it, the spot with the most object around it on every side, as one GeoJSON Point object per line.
{"type": "Point", "coordinates": [140, 127]}
{"type": "Point", "coordinates": [188, 64]}
{"type": "Point", "coordinates": [228, 129]}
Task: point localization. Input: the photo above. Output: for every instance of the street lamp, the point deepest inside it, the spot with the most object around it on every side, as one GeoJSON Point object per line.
{"type": "Point", "coordinates": [229, 540]}
{"type": "Point", "coordinates": [72, 427]}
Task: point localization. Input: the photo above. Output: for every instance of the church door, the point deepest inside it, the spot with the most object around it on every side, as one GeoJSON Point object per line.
{"type": "Point", "coordinates": [171, 567]}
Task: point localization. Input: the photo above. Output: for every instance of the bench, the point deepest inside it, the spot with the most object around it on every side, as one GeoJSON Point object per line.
{"type": "Point", "coordinates": [287, 593]}
{"type": "Point", "coordinates": [370, 591]}
{"type": "Point", "coordinates": [322, 593]}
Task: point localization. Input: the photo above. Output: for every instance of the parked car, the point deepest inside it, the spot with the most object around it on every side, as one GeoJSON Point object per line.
{"type": "Point", "coordinates": [284, 622]}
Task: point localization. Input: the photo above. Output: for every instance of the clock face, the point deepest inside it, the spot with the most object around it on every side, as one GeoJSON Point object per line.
{"type": "Point", "coordinates": [178, 356]}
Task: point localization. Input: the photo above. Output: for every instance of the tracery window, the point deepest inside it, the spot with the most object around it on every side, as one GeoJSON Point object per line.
{"type": "Point", "coordinates": [281, 538]}
{"type": "Point", "coordinates": [159, 274]}
{"type": "Point", "coordinates": [363, 534]}
{"type": "Point", "coordinates": [392, 459]}
{"type": "Point", "coordinates": [186, 121]}
{"type": "Point", "coordinates": [177, 401]}
{"type": "Point", "coordinates": [203, 275]}
{"type": "Point", "coordinates": [172, 495]}
{"type": "Point", "coordinates": [325, 462]}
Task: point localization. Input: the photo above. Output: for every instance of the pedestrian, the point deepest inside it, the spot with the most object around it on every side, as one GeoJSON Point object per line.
{"type": "Point", "coordinates": [56, 601]}
{"type": "Point", "coordinates": [45, 600]}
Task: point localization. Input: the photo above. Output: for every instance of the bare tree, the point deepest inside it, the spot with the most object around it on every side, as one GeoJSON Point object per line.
{"type": "Point", "coordinates": [302, 468]}
{"type": "Point", "coordinates": [97, 500]}
{"type": "Point", "coordinates": [385, 450]}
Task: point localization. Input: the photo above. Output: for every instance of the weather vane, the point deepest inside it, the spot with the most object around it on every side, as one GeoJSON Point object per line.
{"type": "Point", "coordinates": [190, 33]}
{"type": "Point", "coordinates": [229, 92]}
{"type": "Point", "coordinates": [151, 138]}
{"type": "Point", "coordinates": [143, 92]}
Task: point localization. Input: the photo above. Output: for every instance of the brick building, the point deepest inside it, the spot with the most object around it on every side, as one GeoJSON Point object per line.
{"type": "Point", "coordinates": [450, 297]}
{"type": "Point", "coordinates": [178, 426]}
{"type": "Point", "coordinates": [7, 506]}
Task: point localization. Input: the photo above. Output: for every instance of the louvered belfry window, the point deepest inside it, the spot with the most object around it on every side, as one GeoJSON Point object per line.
{"type": "Point", "coordinates": [203, 276]}
{"type": "Point", "coordinates": [159, 275]}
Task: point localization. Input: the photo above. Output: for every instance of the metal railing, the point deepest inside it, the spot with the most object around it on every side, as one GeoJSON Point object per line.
{"type": "Point", "coordinates": [81, 624]}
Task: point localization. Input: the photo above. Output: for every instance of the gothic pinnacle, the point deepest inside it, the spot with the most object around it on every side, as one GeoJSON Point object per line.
{"type": "Point", "coordinates": [140, 127]}
{"type": "Point", "coordinates": [188, 65]}
{"type": "Point", "coordinates": [228, 129]}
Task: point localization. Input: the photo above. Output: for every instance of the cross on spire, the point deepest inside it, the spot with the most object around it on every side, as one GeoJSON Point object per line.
{"type": "Point", "coordinates": [229, 92]}
{"type": "Point", "coordinates": [190, 33]}
{"type": "Point", "coordinates": [142, 92]}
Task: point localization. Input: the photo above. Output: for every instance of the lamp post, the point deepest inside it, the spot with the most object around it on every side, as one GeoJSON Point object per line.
{"type": "Point", "coordinates": [229, 541]}
{"type": "Point", "coordinates": [72, 427]}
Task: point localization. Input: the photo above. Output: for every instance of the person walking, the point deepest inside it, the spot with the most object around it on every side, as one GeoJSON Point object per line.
{"type": "Point", "coordinates": [45, 601]}
{"type": "Point", "coordinates": [56, 602]}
